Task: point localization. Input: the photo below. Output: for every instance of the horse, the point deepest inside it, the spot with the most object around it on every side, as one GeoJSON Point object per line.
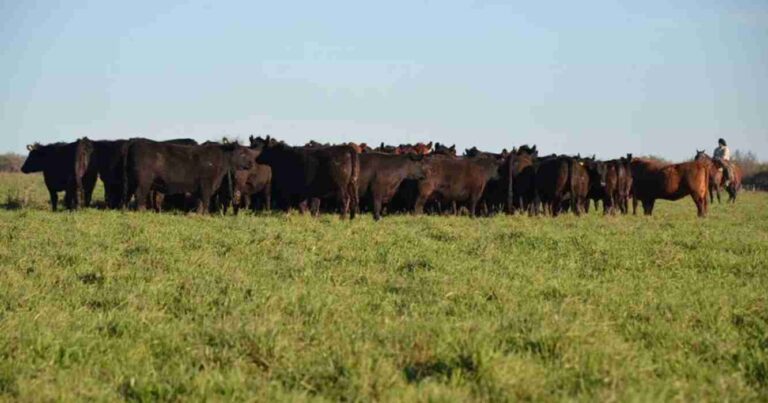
{"type": "Point", "coordinates": [717, 178]}
{"type": "Point", "coordinates": [652, 180]}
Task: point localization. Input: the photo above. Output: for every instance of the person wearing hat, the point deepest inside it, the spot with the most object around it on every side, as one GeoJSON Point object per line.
{"type": "Point", "coordinates": [723, 154]}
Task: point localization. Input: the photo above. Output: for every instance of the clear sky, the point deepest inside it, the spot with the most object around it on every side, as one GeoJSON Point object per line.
{"type": "Point", "coordinates": [604, 77]}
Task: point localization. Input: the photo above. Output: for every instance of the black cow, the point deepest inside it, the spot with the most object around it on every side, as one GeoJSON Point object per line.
{"type": "Point", "coordinates": [301, 174]}
{"type": "Point", "coordinates": [596, 191]}
{"type": "Point", "coordinates": [522, 167]}
{"type": "Point", "coordinates": [553, 184]}
{"type": "Point", "coordinates": [65, 167]}
{"type": "Point", "coordinates": [456, 180]}
{"type": "Point", "coordinates": [108, 159]}
{"type": "Point", "coordinates": [247, 185]}
{"type": "Point", "coordinates": [180, 169]}
{"type": "Point", "coordinates": [381, 175]}
{"type": "Point", "coordinates": [625, 183]}
{"type": "Point", "coordinates": [442, 149]}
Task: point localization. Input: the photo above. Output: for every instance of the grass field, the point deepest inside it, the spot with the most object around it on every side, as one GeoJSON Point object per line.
{"type": "Point", "coordinates": [112, 305]}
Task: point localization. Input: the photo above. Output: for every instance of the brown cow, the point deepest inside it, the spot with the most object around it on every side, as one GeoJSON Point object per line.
{"type": "Point", "coordinates": [522, 171]}
{"type": "Point", "coordinates": [456, 180]}
{"type": "Point", "coordinates": [653, 180]}
{"type": "Point", "coordinates": [382, 174]}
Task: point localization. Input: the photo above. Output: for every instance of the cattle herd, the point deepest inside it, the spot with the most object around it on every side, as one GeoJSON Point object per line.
{"type": "Point", "coordinates": [350, 178]}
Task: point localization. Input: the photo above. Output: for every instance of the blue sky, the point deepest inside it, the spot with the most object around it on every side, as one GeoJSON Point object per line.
{"type": "Point", "coordinates": [601, 77]}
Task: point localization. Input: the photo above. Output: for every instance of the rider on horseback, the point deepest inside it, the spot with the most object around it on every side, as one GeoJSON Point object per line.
{"type": "Point", "coordinates": [723, 154]}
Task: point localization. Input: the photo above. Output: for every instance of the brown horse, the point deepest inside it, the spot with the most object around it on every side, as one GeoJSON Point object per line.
{"type": "Point", "coordinates": [717, 178]}
{"type": "Point", "coordinates": [652, 180]}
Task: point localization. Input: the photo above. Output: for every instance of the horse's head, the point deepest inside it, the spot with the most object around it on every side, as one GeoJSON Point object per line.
{"type": "Point", "coordinates": [700, 155]}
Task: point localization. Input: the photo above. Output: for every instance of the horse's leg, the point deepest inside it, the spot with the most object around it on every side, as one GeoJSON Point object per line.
{"type": "Point", "coordinates": [700, 204]}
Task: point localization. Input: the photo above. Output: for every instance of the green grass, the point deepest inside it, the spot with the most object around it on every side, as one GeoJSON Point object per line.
{"type": "Point", "coordinates": [111, 305]}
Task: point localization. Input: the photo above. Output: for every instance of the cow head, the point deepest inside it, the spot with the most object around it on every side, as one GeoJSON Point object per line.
{"type": "Point", "coordinates": [241, 158]}
{"type": "Point", "coordinates": [405, 149]}
{"type": "Point", "coordinates": [416, 167]}
{"type": "Point", "coordinates": [356, 147]}
{"type": "Point", "coordinates": [521, 159]}
{"type": "Point", "coordinates": [471, 152]}
{"type": "Point", "coordinates": [442, 149]}
{"type": "Point", "coordinates": [386, 149]}
{"type": "Point", "coordinates": [36, 160]}
{"type": "Point", "coordinates": [421, 148]}
{"type": "Point", "coordinates": [597, 171]}
{"type": "Point", "coordinates": [261, 143]}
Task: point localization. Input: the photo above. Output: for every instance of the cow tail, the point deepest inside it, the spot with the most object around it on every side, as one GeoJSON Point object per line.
{"type": "Point", "coordinates": [352, 187]}
{"type": "Point", "coordinates": [231, 189]}
{"type": "Point", "coordinates": [83, 151]}
{"type": "Point", "coordinates": [124, 157]}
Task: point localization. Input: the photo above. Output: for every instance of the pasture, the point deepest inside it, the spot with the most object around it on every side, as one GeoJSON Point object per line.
{"type": "Point", "coordinates": [112, 305]}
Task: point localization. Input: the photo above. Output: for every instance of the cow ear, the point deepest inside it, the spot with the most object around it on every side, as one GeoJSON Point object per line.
{"type": "Point", "coordinates": [30, 147]}
{"type": "Point", "coordinates": [429, 145]}
{"type": "Point", "coordinates": [453, 148]}
{"type": "Point", "coordinates": [534, 148]}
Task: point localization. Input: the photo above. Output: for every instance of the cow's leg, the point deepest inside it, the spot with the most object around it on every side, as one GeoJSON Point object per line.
{"type": "Point", "coordinates": [205, 194]}
{"type": "Point", "coordinates": [54, 199]}
{"type": "Point", "coordinates": [377, 203]}
{"type": "Point", "coordinates": [303, 206]}
{"type": "Point", "coordinates": [634, 205]}
{"type": "Point", "coordinates": [268, 198]}
{"type": "Point", "coordinates": [648, 206]}
{"type": "Point", "coordinates": [473, 205]}
{"type": "Point", "coordinates": [157, 201]}
{"type": "Point", "coordinates": [70, 199]}
{"type": "Point", "coordinates": [344, 201]}
{"type": "Point", "coordinates": [315, 207]}
{"type": "Point", "coordinates": [418, 207]}
{"type": "Point", "coordinates": [141, 195]}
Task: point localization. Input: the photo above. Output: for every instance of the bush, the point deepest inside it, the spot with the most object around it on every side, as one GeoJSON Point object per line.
{"type": "Point", "coordinates": [11, 162]}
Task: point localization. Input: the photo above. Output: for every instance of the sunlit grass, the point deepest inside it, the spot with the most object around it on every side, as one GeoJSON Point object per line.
{"type": "Point", "coordinates": [115, 305]}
